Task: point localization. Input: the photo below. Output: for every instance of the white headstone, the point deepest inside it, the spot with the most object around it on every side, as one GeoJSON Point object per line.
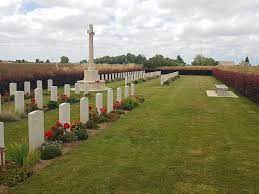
{"type": "Point", "coordinates": [27, 88]}
{"type": "Point", "coordinates": [99, 102]}
{"type": "Point", "coordinates": [64, 113]}
{"type": "Point", "coordinates": [54, 93]}
{"type": "Point", "coordinates": [132, 89]}
{"type": "Point", "coordinates": [106, 77]}
{"type": "Point", "coordinates": [119, 98]}
{"type": "Point", "coordinates": [50, 83]}
{"type": "Point", "coordinates": [2, 138]}
{"type": "Point", "coordinates": [19, 101]}
{"type": "Point", "coordinates": [36, 129]}
{"type": "Point", "coordinates": [39, 84]}
{"type": "Point", "coordinates": [39, 97]}
{"type": "Point", "coordinates": [84, 110]}
{"type": "Point", "coordinates": [77, 88]}
{"type": "Point", "coordinates": [126, 92]}
{"type": "Point", "coordinates": [12, 88]}
{"type": "Point", "coordinates": [67, 90]}
{"type": "Point", "coordinates": [109, 101]}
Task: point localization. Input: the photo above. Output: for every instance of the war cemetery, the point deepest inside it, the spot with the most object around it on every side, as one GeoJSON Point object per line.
{"type": "Point", "coordinates": [128, 124]}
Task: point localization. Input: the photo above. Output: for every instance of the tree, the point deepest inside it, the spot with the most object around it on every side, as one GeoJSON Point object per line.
{"type": "Point", "coordinates": [247, 60]}
{"type": "Point", "coordinates": [200, 60]}
{"type": "Point", "coordinates": [47, 61]}
{"type": "Point", "coordinates": [179, 59]}
{"type": "Point", "coordinates": [37, 61]}
{"type": "Point", "coordinates": [64, 59]}
{"type": "Point", "coordinates": [84, 61]}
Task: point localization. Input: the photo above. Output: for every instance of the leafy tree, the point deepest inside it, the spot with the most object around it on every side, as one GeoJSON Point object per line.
{"type": "Point", "coordinates": [200, 60]}
{"type": "Point", "coordinates": [37, 61]}
{"type": "Point", "coordinates": [64, 59]}
{"type": "Point", "coordinates": [180, 60]}
{"type": "Point", "coordinates": [83, 61]}
{"type": "Point", "coordinates": [247, 60]}
{"type": "Point", "coordinates": [47, 61]}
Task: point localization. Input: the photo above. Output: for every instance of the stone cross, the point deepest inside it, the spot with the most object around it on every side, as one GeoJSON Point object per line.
{"type": "Point", "coordinates": [39, 98]}
{"type": "Point", "coordinates": [109, 101]}
{"type": "Point", "coordinates": [119, 95]}
{"type": "Point", "coordinates": [54, 93]}
{"type": "Point", "coordinates": [36, 129]}
{"type": "Point", "coordinates": [50, 83]}
{"type": "Point", "coordinates": [91, 33]}
{"type": "Point", "coordinates": [99, 102]}
{"type": "Point", "coordinates": [19, 101]}
{"type": "Point", "coordinates": [84, 110]}
{"type": "Point", "coordinates": [27, 88]}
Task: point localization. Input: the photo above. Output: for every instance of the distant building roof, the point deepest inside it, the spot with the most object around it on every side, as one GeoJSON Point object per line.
{"type": "Point", "coordinates": [227, 63]}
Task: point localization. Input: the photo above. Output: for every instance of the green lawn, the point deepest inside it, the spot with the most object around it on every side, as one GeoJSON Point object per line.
{"type": "Point", "coordinates": [178, 140]}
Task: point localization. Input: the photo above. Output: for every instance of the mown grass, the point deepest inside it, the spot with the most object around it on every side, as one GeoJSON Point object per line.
{"type": "Point", "coordinates": [179, 140]}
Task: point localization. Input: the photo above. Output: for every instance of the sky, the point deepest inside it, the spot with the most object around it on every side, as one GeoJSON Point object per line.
{"type": "Point", "coordinates": [49, 29]}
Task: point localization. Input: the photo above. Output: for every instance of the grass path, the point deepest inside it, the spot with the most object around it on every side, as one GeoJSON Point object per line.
{"type": "Point", "coordinates": [178, 140]}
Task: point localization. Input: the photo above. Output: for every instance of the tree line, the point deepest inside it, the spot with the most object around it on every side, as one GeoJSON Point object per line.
{"type": "Point", "coordinates": [153, 62]}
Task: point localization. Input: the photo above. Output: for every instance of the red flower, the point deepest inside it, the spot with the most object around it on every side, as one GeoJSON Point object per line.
{"type": "Point", "coordinates": [117, 105]}
{"type": "Point", "coordinates": [103, 110]}
{"type": "Point", "coordinates": [49, 134]}
{"type": "Point", "coordinates": [66, 126]}
{"type": "Point", "coordinates": [58, 124]}
{"type": "Point", "coordinates": [33, 101]}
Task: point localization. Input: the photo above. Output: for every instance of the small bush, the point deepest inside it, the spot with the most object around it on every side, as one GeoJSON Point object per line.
{"type": "Point", "coordinates": [103, 118]}
{"type": "Point", "coordinates": [12, 175]}
{"type": "Point", "coordinates": [80, 130]}
{"type": "Point", "coordinates": [69, 137]}
{"type": "Point", "coordinates": [72, 100]}
{"type": "Point", "coordinates": [12, 98]}
{"type": "Point", "coordinates": [113, 116]}
{"type": "Point", "coordinates": [129, 104]}
{"type": "Point", "coordinates": [7, 116]}
{"type": "Point", "coordinates": [91, 124]}
{"type": "Point", "coordinates": [52, 105]}
{"type": "Point", "coordinates": [50, 150]}
{"type": "Point", "coordinates": [18, 153]}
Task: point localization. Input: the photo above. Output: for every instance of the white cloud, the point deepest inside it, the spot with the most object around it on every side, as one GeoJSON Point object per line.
{"type": "Point", "coordinates": [226, 30]}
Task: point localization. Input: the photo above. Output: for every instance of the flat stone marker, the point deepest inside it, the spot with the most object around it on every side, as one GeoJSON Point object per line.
{"type": "Point", "coordinates": [39, 98]}
{"type": "Point", "coordinates": [36, 129]}
{"type": "Point", "coordinates": [50, 83]}
{"type": "Point", "coordinates": [2, 139]}
{"type": "Point", "coordinates": [132, 89]}
{"type": "Point", "coordinates": [109, 101]}
{"type": "Point", "coordinates": [27, 88]}
{"type": "Point", "coordinates": [39, 84]}
{"type": "Point", "coordinates": [19, 101]}
{"type": "Point", "coordinates": [54, 93]}
{"type": "Point", "coordinates": [64, 113]}
{"type": "Point", "coordinates": [77, 88]}
{"type": "Point", "coordinates": [99, 102]}
{"type": "Point", "coordinates": [67, 90]}
{"type": "Point", "coordinates": [126, 92]}
{"type": "Point", "coordinates": [119, 95]}
{"type": "Point", "coordinates": [84, 110]}
{"type": "Point", "coordinates": [12, 88]}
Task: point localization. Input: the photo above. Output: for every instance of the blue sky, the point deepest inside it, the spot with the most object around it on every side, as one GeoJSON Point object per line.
{"type": "Point", "coordinates": [224, 30]}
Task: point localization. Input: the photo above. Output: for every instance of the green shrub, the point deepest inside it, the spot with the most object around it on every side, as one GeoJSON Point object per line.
{"type": "Point", "coordinates": [69, 137]}
{"type": "Point", "coordinates": [82, 134]}
{"type": "Point", "coordinates": [12, 175]}
{"type": "Point", "coordinates": [103, 118]}
{"type": "Point", "coordinates": [7, 116]}
{"type": "Point", "coordinates": [52, 105]}
{"type": "Point", "coordinates": [72, 100]}
{"type": "Point", "coordinates": [50, 150]}
{"type": "Point", "coordinates": [113, 116]}
{"type": "Point", "coordinates": [129, 104]}
{"type": "Point", "coordinates": [18, 153]}
{"type": "Point", "coordinates": [91, 124]}
{"type": "Point", "coordinates": [12, 98]}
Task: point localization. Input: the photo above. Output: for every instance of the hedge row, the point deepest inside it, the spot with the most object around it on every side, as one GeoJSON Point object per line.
{"type": "Point", "coordinates": [60, 77]}
{"type": "Point", "coordinates": [245, 83]}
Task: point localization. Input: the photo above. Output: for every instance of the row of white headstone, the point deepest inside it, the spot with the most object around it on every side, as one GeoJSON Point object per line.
{"type": "Point", "coordinates": [36, 118]}
{"type": "Point", "coordinates": [142, 75]}
{"type": "Point", "coordinates": [168, 76]}
{"type": "Point", "coordinates": [121, 75]}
